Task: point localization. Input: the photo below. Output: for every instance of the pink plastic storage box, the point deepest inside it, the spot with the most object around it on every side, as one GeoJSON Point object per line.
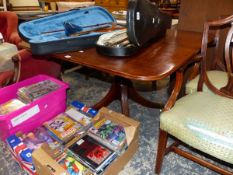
{"type": "Point", "coordinates": [35, 113]}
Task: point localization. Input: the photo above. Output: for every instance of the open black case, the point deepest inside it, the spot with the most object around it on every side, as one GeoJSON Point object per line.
{"type": "Point", "coordinates": [145, 24]}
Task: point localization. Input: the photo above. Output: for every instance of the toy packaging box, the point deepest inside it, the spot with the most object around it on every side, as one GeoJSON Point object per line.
{"type": "Point", "coordinates": [45, 162]}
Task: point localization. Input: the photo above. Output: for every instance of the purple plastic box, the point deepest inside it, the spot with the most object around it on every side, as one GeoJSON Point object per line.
{"type": "Point", "coordinates": [35, 113]}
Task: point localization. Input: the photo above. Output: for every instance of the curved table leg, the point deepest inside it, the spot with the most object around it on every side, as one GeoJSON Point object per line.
{"type": "Point", "coordinates": [122, 89]}
{"type": "Point", "coordinates": [133, 94]}
{"type": "Point", "coordinates": [109, 97]}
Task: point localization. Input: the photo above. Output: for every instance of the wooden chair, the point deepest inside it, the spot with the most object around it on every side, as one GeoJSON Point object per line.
{"type": "Point", "coordinates": [215, 69]}
{"type": "Point", "coordinates": [202, 120]}
{"type": "Point", "coordinates": [193, 14]}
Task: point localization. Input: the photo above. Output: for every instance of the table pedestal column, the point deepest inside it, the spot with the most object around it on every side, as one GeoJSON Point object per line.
{"type": "Point", "coordinates": [122, 89]}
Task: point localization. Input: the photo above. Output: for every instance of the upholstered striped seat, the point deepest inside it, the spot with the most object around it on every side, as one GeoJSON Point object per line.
{"type": "Point", "coordinates": [204, 121]}
{"type": "Point", "coordinates": [217, 78]}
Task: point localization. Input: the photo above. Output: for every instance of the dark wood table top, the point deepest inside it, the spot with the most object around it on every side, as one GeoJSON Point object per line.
{"type": "Point", "coordinates": [157, 61]}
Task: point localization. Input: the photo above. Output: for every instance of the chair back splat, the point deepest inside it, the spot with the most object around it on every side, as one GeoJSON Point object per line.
{"type": "Point", "coordinates": [227, 90]}
{"type": "Point", "coordinates": [215, 65]}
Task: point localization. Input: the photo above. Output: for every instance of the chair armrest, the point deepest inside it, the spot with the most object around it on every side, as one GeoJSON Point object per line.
{"type": "Point", "coordinates": [196, 67]}
{"type": "Point", "coordinates": [19, 59]}
{"type": "Point", "coordinates": [24, 55]}
{"type": "Point", "coordinates": [180, 80]}
{"type": "Point", "coordinates": [14, 38]}
{"type": "Point", "coordinates": [23, 45]}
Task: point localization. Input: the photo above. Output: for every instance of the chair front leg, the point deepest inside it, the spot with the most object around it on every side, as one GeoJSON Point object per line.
{"type": "Point", "coordinates": [163, 136]}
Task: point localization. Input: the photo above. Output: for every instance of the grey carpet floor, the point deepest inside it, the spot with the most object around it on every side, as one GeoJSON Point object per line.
{"type": "Point", "coordinates": [91, 91]}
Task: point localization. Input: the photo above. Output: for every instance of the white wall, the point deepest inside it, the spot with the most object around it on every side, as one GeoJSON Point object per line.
{"type": "Point", "coordinates": [24, 2]}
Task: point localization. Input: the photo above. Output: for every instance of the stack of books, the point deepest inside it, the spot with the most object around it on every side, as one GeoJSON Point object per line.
{"type": "Point", "coordinates": [110, 134]}
{"type": "Point", "coordinates": [92, 154]}
{"type": "Point", "coordinates": [34, 91]}
{"type": "Point", "coordinates": [79, 117]}
{"type": "Point", "coordinates": [68, 125]}
{"type": "Point", "coordinates": [104, 141]}
{"type": "Point", "coordinates": [63, 128]}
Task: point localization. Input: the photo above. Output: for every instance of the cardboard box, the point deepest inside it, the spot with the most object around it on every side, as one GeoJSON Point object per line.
{"type": "Point", "coordinates": [45, 164]}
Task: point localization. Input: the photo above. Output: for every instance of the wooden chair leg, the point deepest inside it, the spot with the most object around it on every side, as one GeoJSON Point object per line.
{"type": "Point", "coordinates": [163, 136]}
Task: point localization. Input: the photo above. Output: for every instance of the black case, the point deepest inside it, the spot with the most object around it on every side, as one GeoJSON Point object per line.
{"type": "Point", "coordinates": [145, 24]}
{"type": "Point", "coordinates": [47, 35]}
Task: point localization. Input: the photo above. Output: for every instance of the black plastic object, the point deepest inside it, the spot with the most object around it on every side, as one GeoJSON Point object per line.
{"type": "Point", "coordinates": [145, 23]}
{"type": "Point", "coordinates": [115, 43]}
{"type": "Point", "coordinates": [49, 35]}
{"type": "Point", "coordinates": [118, 51]}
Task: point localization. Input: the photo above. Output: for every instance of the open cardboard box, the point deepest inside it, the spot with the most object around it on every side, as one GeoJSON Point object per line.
{"type": "Point", "coordinates": [45, 164]}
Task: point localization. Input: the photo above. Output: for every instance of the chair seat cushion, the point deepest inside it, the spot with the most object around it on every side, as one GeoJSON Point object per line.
{"type": "Point", "coordinates": [204, 121]}
{"type": "Point", "coordinates": [7, 51]}
{"type": "Point", "coordinates": [217, 78]}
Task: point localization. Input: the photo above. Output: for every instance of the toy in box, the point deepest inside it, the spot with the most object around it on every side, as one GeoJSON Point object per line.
{"type": "Point", "coordinates": [33, 114]}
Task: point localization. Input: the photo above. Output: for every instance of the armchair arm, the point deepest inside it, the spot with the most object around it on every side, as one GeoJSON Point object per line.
{"type": "Point", "coordinates": [19, 59]}
{"type": "Point", "coordinates": [173, 97]}
{"type": "Point", "coordinates": [24, 55]}
{"type": "Point", "coordinates": [196, 67]}
{"type": "Point", "coordinates": [179, 81]}
{"type": "Point", "coordinates": [14, 38]}
{"type": "Point", "coordinates": [27, 65]}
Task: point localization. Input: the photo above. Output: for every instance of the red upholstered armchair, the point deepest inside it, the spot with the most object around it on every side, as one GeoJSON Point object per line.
{"type": "Point", "coordinates": [26, 64]}
{"type": "Point", "coordinates": [9, 27]}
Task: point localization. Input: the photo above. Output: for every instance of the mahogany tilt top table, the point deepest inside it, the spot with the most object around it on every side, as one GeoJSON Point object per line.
{"type": "Point", "coordinates": [157, 61]}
